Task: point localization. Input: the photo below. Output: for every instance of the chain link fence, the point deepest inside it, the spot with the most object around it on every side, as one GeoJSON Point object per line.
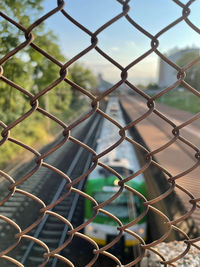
{"type": "Point", "coordinates": [6, 134]}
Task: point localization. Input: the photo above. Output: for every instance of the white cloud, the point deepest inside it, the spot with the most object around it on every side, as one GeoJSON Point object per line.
{"type": "Point", "coordinates": [130, 44]}
{"type": "Point", "coordinates": [114, 48]}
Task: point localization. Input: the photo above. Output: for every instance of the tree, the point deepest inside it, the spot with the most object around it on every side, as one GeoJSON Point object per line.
{"type": "Point", "coordinates": [45, 72]}
{"type": "Point", "coordinates": [193, 73]}
{"type": "Point", "coordinates": [34, 72]}
{"type": "Point", "coordinates": [30, 69]}
{"type": "Point", "coordinates": [152, 86]}
{"type": "Point", "coordinates": [83, 77]}
{"type": "Point", "coordinates": [18, 68]}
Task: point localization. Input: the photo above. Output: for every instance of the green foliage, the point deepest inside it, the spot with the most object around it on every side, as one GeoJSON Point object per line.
{"type": "Point", "coordinates": [193, 73]}
{"type": "Point", "coordinates": [18, 9]}
{"type": "Point", "coordinates": [152, 86]}
{"type": "Point", "coordinates": [46, 72]}
{"type": "Point", "coordinates": [82, 77]}
{"type": "Point", "coordinates": [141, 86]}
{"type": "Point", "coordinates": [34, 72]}
{"type": "Point", "coordinates": [29, 133]}
{"type": "Point", "coordinates": [181, 99]}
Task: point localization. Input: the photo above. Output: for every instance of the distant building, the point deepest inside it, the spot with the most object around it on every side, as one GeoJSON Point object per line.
{"type": "Point", "coordinates": [167, 74]}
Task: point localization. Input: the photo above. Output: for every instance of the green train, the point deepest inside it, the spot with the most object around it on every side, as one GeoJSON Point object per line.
{"type": "Point", "coordinates": [102, 185]}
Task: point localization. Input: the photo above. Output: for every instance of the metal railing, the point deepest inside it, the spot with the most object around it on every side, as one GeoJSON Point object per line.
{"type": "Point", "coordinates": [96, 159]}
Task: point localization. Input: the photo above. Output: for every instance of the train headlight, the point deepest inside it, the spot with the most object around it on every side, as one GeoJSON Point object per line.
{"type": "Point", "coordinates": [141, 231]}
{"type": "Point", "coordinates": [90, 228]}
{"type": "Point", "coordinates": [116, 182]}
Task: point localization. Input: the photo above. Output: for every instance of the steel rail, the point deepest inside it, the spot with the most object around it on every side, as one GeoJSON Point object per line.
{"type": "Point", "coordinates": [59, 191]}
{"type": "Point", "coordinates": [80, 187]}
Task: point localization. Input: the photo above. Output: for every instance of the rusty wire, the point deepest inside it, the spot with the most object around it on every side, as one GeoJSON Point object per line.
{"type": "Point", "coordinates": [94, 100]}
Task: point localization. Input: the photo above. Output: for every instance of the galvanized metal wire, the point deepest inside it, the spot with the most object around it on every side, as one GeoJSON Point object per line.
{"type": "Point", "coordinates": [172, 225]}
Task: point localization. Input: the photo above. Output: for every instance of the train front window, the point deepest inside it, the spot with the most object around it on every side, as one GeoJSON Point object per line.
{"type": "Point", "coordinates": [121, 170]}
{"type": "Point", "coordinates": [124, 206]}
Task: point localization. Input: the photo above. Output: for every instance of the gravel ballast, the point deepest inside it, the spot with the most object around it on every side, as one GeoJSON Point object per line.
{"type": "Point", "coordinates": [170, 251]}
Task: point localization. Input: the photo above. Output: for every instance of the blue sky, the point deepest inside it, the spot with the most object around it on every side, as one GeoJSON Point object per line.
{"type": "Point", "coordinates": [121, 40]}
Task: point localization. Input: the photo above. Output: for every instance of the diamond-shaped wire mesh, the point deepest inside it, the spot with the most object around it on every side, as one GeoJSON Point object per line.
{"type": "Point", "coordinates": [14, 188]}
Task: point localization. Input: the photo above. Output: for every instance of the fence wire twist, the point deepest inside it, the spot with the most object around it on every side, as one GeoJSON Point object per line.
{"type": "Point", "coordinates": [96, 160]}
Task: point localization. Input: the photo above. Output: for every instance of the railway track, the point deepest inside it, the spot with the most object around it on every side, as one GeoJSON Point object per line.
{"type": "Point", "coordinates": [44, 185]}
{"type": "Point", "coordinates": [51, 231]}
{"type": "Point", "coordinates": [48, 186]}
